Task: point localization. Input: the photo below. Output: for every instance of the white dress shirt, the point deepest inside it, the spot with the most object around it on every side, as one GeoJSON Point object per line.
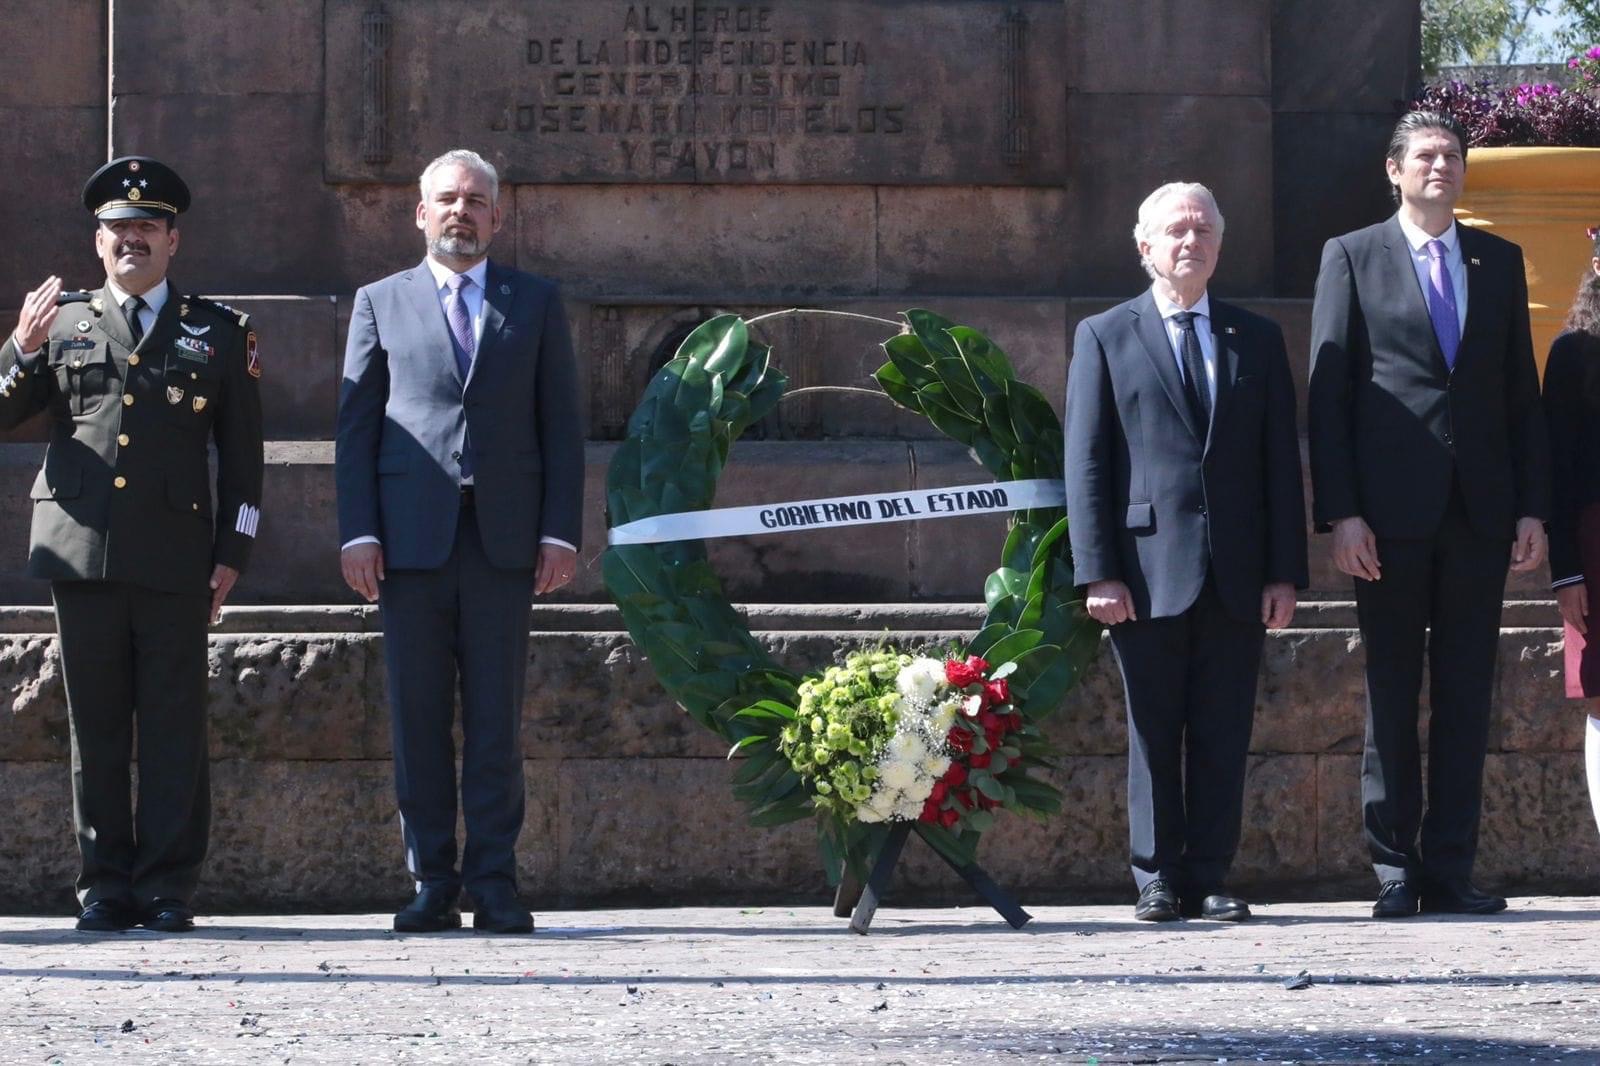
{"type": "Point", "coordinates": [1418, 240]}
{"type": "Point", "coordinates": [1202, 328]}
{"type": "Point", "coordinates": [472, 296]}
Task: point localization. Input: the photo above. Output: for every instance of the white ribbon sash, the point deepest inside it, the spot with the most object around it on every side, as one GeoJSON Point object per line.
{"type": "Point", "coordinates": [913, 506]}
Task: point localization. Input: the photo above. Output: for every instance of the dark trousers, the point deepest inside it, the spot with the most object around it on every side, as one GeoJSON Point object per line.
{"type": "Point", "coordinates": [465, 623]}
{"type": "Point", "coordinates": [1191, 690]}
{"type": "Point", "coordinates": [134, 660]}
{"type": "Point", "coordinates": [1439, 600]}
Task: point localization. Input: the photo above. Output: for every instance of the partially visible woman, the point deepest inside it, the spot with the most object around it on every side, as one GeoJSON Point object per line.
{"type": "Point", "coordinates": [1572, 408]}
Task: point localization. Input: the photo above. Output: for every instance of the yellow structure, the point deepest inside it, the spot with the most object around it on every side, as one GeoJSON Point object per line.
{"type": "Point", "coordinates": [1543, 199]}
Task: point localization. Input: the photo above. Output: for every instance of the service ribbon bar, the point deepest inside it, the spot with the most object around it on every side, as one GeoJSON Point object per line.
{"type": "Point", "coordinates": [913, 506]}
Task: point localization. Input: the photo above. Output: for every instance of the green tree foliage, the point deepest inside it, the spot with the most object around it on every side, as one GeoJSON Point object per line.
{"type": "Point", "coordinates": [1506, 31]}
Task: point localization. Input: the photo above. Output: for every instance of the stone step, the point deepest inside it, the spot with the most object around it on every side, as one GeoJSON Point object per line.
{"type": "Point", "coordinates": [296, 560]}
{"type": "Point", "coordinates": [613, 769]}
{"type": "Point", "coordinates": [759, 617]}
{"type": "Point", "coordinates": [620, 344]}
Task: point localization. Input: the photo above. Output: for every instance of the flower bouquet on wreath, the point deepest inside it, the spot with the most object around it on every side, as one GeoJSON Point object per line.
{"type": "Point", "coordinates": [894, 737]}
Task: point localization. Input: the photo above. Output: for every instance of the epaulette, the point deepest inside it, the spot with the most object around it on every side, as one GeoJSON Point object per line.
{"type": "Point", "coordinates": [73, 296]}
{"type": "Point", "coordinates": [232, 314]}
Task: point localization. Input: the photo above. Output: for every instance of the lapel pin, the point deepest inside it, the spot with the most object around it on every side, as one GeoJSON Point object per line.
{"type": "Point", "coordinates": [505, 290]}
{"type": "Point", "coordinates": [199, 404]}
{"type": "Point", "coordinates": [174, 394]}
{"type": "Point", "coordinates": [1230, 330]}
{"type": "Point", "coordinates": [1474, 261]}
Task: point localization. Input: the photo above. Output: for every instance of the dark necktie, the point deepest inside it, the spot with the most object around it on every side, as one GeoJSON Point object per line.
{"type": "Point", "coordinates": [1194, 370]}
{"type": "Point", "coordinates": [130, 311]}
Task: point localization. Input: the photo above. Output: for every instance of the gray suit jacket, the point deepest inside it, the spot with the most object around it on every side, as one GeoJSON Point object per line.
{"type": "Point", "coordinates": [406, 418]}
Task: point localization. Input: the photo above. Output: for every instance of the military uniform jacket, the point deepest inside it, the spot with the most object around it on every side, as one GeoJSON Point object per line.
{"type": "Point", "coordinates": [125, 493]}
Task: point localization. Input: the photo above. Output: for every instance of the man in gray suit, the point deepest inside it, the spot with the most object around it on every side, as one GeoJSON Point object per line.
{"type": "Point", "coordinates": [460, 475]}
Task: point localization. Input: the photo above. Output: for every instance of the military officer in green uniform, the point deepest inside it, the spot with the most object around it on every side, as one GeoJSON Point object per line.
{"type": "Point", "coordinates": [138, 380]}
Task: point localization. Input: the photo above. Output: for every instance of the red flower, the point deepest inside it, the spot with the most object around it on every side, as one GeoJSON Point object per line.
{"type": "Point", "coordinates": [964, 797]}
{"type": "Point", "coordinates": [948, 818]}
{"type": "Point", "coordinates": [960, 740]}
{"type": "Point", "coordinates": [978, 762]}
{"type": "Point", "coordinates": [930, 812]}
{"type": "Point", "coordinates": [989, 721]}
{"type": "Point", "coordinates": [940, 790]}
{"type": "Point", "coordinates": [1014, 720]}
{"type": "Point", "coordinates": [997, 691]}
{"type": "Point", "coordinates": [986, 803]}
{"type": "Point", "coordinates": [956, 775]}
{"type": "Point", "coordinates": [962, 674]}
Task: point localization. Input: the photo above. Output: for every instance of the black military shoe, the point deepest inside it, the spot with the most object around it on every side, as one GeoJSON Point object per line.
{"type": "Point", "coordinates": [1396, 899]}
{"type": "Point", "coordinates": [1459, 896]}
{"type": "Point", "coordinates": [107, 916]}
{"type": "Point", "coordinates": [498, 910]}
{"type": "Point", "coordinates": [433, 910]}
{"type": "Point", "coordinates": [169, 916]}
{"type": "Point", "coordinates": [1157, 903]}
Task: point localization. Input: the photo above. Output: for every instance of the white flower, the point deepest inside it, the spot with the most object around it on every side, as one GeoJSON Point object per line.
{"type": "Point", "coordinates": [908, 810]}
{"type": "Point", "coordinates": [971, 706]}
{"type": "Point", "coordinates": [921, 679]}
{"type": "Point", "coordinates": [908, 747]}
{"type": "Point", "coordinates": [898, 775]}
{"type": "Point", "coordinates": [868, 813]}
{"type": "Point", "coordinates": [935, 765]}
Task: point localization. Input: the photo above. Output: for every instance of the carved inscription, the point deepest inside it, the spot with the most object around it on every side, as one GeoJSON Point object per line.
{"type": "Point", "coordinates": [683, 90]}
{"type": "Point", "coordinates": [845, 92]}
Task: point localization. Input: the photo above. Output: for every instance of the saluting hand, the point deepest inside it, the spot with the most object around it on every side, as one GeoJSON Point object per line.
{"type": "Point", "coordinates": [39, 312]}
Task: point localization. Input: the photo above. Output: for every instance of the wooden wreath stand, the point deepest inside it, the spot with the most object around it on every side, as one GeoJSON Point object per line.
{"type": "Point", "coordinates": [860, 902]}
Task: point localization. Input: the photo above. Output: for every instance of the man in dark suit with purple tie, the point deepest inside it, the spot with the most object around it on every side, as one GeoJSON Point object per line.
{"type": "Point", "coordinates": [1431, 468]}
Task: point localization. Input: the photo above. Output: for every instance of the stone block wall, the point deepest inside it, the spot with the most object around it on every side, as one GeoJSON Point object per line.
{"type": "Point", "coordinates": [628, 799]}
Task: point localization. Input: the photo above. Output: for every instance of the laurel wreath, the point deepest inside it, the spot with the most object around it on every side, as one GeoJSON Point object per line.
{"type": "Point", "coordinates": [719, 383]}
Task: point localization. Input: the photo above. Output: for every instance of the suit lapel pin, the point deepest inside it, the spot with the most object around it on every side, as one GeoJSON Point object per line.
{"type": "Point", "coordinates": [1230, 330]}
{"type": "Point", "coordinates": [199, 404]}
{"type": "Point", "coordinates": [1474, 261]}
{"type": "Point", "coordinates": [174, 394]}
{"type": "Point", "coordinates": [505, 290]}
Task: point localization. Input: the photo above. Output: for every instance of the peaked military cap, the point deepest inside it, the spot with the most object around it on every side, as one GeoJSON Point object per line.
{"type": "Point", "coordinates": [135, 186]}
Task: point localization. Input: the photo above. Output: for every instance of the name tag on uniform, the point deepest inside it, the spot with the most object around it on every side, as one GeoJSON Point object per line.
{"type": "Point", "coordinates": [75, 344]}
{"type": "Point", "coordinates": [194, 348]}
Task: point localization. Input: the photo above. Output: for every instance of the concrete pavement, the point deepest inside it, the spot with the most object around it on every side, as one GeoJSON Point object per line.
{"type": "Point", "coordinates": [692, 987]}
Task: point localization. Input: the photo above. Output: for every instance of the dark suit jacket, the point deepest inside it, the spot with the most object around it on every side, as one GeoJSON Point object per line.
{"type": "Point", "coordinates": [1391, 427]}
{"type": "Point", "coordinates": [405, 416]}
{"type": "Point", "coordinates": [1151, 499]}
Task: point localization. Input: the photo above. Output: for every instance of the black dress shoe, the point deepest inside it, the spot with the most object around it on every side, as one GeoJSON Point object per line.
{"type": "Point", "coordinates": [1459, 896]}
{"type": "Point", "coordinates": [1157, 903]}
{"type": "Point", "coordinates": [1221, 907]}
{"type": "Point", "coordinates": [1396, 899]}
{"type": "Point", "coordinates": [497, 910]}
{"type": "Point", "coordinates": [432, 911]}
{"type": "Point", "coordinates": [107, 916]}
{"type": "Point", "coordinates": [169, 916]}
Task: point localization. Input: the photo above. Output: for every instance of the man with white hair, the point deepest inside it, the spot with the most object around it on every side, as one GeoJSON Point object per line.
{"type": "Point", "coordinates": [460, 476]}
{"type": "Point", "coordinates": [1188, 533]}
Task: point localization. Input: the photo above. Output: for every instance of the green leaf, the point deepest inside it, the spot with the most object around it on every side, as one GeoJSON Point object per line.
{"type": "Point", "coordinates": [767, 709]}
{"type": "Point", "coordinates": [717, 345]}
{"type": "Point", "coordinates": [931, 330]}
{"type": "Point", "coordinates": [896, 386]}
{"type": "Point", "coordinates": [908, 355]}
{"type": "Point", "coordinates": [1003, 582]}
{"type": "Point", "coordinates": [745, 742]}
{"type": "Point", "coordinates": [988, 362]}
{"type": "Point", "coordinates": [1013, 646]}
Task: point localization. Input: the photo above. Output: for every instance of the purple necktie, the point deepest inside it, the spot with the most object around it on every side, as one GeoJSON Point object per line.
{"type": "Point", "coordinates": [1442, 304]}
{"type": "Point", "coordinates": [455, 311]}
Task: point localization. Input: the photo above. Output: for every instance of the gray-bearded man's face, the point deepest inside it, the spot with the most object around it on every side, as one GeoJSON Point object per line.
{"type": "Point", "coordinates": [459, 216]}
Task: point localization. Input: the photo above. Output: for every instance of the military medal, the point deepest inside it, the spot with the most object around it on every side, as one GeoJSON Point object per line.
{"type": "Point", "coordinates": [252, 357]}
{"type": "Point", "coordinates": [97, 305]}
{"type": "Point", "coordinates": [199, 404]}
{"type": "Point", "coordinates": [174, 394]}
{"type": "Point", "coordinates": [83, 327]}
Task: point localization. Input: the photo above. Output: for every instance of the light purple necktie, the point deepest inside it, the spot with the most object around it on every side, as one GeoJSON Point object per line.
{"type": "Point", "coordinates": [455, 312]}
{"type": "Point", "coordinates": [1442, 304]}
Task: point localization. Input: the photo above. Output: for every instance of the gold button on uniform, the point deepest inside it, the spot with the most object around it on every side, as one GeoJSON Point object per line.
{"type": "Point", "coordinates": [122, 439]}
{"type": "Point", "coordinates": [127, 400]}
{"type": "Point", "coordinates": [120, 482]}
{"type": "Point", "coordinates": [133, 360]}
